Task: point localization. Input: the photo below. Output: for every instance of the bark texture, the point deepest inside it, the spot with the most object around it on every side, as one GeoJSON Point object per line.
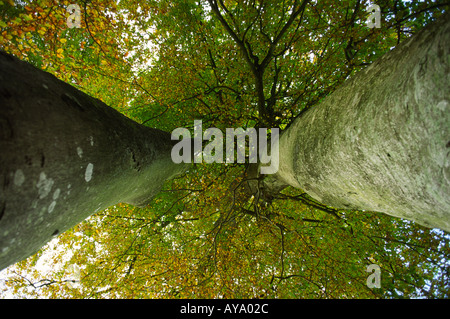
{"type": "Point", "coordinates": [381, 142]}
{"type": "Point", "coordinates": [64, 156]}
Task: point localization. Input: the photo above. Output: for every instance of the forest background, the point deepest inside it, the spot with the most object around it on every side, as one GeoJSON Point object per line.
{"type": "Point", "coordinates": [165, 64]}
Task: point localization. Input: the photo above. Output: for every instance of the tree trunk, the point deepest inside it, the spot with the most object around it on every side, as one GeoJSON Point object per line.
{"type": "Point", "coordinates": [64, 156]}
{"type": "Point", "coordinates": [381, 142]}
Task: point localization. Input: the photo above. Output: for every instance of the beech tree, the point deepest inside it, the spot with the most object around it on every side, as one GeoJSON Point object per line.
{"type": "Point", "coordinates": [364, 128]}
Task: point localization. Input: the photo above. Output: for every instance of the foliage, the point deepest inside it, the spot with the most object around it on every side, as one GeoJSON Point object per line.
{"type": "Point", "coordinates": [231, 64]}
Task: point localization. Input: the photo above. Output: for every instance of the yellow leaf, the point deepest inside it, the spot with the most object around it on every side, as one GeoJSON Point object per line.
{"type": "Point", "coordinates": [59, 51]}
{"type": "Point", "coordinates": [63, 40]}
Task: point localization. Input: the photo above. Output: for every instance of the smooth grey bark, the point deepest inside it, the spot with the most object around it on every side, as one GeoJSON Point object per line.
{"type": "Point", "coordinates": [381, 142]}
{"type": "Point", "coordinates": [64, 156]}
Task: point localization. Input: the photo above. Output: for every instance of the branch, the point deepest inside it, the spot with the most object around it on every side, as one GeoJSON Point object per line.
{"type": "Point", "coordinates": [310, 202]}
{"type": "Point", "coordinates": [273, 45]}
{"type": "Point", "coordinates": [230, 31]}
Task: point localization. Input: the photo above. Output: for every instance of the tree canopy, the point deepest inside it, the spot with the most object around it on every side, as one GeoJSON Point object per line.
{"type": "Point", "coordinates": [230, 64]}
